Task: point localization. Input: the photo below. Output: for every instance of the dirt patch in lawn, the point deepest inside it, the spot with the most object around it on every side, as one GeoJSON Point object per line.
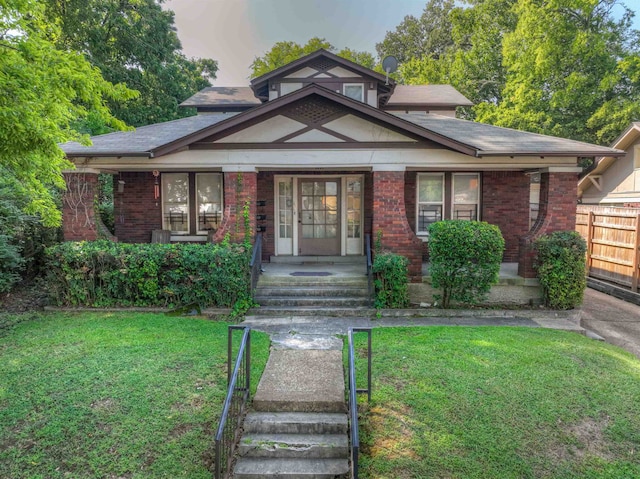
{"type": "Point", "coordinates": [582, 439]}
{"type": "Point", "coordinates": [24, 297]}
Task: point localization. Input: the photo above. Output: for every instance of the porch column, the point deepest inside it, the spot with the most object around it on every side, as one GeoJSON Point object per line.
{"type": "Point", "coordinates": [240, 189]}
{"type": "Point", "coordinates": [557, 212]}
{"type": "Point", "coordinates": [78, 213]}
{"type": "Point", "coordinates": [390, 218]}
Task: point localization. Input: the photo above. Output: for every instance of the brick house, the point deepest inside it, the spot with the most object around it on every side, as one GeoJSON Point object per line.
{"type": "Point", "coordinates": [322, 152]}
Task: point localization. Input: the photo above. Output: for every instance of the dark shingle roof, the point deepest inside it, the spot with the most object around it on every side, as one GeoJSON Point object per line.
{"type": "Point", "coordinates": [220, 96]}
{"type": "Point", "coordinates": [495, 140]}
{"type": "Point", "coordinates": [427, 95]}
{"type": "Point", "coordinates": [145, 140]}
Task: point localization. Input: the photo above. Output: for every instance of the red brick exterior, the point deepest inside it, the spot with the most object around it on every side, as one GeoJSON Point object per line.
{"type": "Point", "coordinates": [136, 212]}
{"type": "Point", "coordinates": [78, 213]}
{"type": "Point", "coordinates": [390, 217]}
{"type": "Point", "coordinates": [557, 212]}
{"type": "Point", "coordinates": [632, 205]}
{"type": "Point", "coordinates": [505, 203]}
{"type": "Point", "coordinates": [239, 188]}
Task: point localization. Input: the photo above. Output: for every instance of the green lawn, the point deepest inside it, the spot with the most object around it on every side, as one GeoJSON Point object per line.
{"type": "Point", "coordinates": [455, 402]}
{"type": "Point", "coordinates": [112, 395]}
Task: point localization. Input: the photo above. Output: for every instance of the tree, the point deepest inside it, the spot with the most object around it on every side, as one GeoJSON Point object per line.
{"type": "Point", "coordinates": [44, 92]}
{"type": "Point", "coordinates": [427, 36]}
{"type": "Point", "coordinates": [285, 52]}
{"type": "Point", "coordinates": [133, 42]}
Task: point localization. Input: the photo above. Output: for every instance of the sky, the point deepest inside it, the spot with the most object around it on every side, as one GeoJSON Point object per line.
{"type": "Point", "coordinates": [234, 32]}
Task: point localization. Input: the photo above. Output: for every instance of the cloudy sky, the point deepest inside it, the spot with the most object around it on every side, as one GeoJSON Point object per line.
{"type": "Point", "coordinates": [234, 32]}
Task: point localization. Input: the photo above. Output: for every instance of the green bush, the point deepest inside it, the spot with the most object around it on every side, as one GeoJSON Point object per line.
{"type": "Point", "coordinates": [561, 268]}
{"type": "Point", "coordinates": [465, 259]}
{"type": "Point", "coordinates": [391, 278]}
{"type": "Point", "coordinates": [102, 273]}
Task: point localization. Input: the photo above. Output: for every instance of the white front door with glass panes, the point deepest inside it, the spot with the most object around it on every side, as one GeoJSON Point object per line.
{"type": "Point", "coordinates": [443, 196]}
{"type": "Point", "coordinates": [191, 202]}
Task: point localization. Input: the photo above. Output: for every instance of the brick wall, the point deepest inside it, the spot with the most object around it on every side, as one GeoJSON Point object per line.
{"type": "Point", "coordinates": [557, 212]}
{"type": "Point", "coordinates": [239, 188]}
{"type": "Point", "coordinates": [505, 203]}
{"type": "Point", "coordinates": [136, 211]}
{"type": "Point", "coordinates": [390, 217]}
{"type": "Point", "coordinates": [78, 215]}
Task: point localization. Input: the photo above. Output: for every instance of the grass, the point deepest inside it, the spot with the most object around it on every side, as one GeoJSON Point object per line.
{"type": "Point", "coordinates": [454, 402]}
{"type": "Point", "coordinates": [126, 395]}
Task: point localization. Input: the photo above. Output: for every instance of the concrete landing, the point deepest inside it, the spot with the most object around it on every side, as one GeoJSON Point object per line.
{"type": "Point", "coordinates": [303, 381]}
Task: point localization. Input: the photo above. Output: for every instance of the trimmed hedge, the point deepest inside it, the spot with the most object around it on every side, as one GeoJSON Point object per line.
{"type": "Point", "coordinates": [562, 269]}
{"type": "Point", "coordinates": [465, 259]}
{"type": "Point", "coordinates": [102, 273]}
{"type": "Point", "coordinates": [391, 278]}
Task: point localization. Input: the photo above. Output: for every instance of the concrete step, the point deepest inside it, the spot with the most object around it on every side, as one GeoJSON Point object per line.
{"type": "Point", "coordinates": [259, 468]}
{"type": "Point", "coordinates": [318, 259]}
{"type": "Point", "coordinates": [330, 312]}
{"type": "Point", "coordinates": [344, 290]}
{"type": "Point", "coordinates": [268, 281]}
{"type": "Point", "coordinates": [317, 301]}
{"type": "Point", "coordinates": [300, 446]}
{"type": "Point", "coordinates": [295, 423]}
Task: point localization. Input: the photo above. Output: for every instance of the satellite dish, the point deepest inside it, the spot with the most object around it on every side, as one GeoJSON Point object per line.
{"type": "Point", "coordinates": [389, 65]}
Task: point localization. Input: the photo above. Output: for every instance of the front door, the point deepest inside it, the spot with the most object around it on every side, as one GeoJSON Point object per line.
{"type": "Point", "coordinates": [319, 217]}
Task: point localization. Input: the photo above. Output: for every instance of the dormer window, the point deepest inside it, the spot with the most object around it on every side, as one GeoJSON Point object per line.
{"type": "Point", "coordinates": [354, 90]}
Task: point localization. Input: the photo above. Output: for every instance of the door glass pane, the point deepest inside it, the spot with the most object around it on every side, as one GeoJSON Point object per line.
{"type": "Point", "coordinates": [354, 212]}
{"type": "Point", "coordinates": [319, 212]}
{"type": "Point", "coordinates": [331, 188]}
{"type": "Point", "coordinates": [285, 207]}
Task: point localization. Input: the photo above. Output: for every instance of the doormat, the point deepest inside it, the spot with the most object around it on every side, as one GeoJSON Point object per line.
{"type": "Point", "coordinates": [311, 273]}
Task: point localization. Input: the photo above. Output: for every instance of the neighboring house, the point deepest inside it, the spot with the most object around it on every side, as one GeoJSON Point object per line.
{"type": "Point", "coordinates": [615, 180]}
{"type": "Point", "coordinates": [321, 152]}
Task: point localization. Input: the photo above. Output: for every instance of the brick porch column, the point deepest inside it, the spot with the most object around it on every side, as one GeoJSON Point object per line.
{"type": "Point", "coordinates": [240, 188]}
{"type": "Point", "coordinates": [557, 212]}
{"type": "Point", "coordinates": [78, 214]}
{"type": "Point", "coordinates": [390, 217]}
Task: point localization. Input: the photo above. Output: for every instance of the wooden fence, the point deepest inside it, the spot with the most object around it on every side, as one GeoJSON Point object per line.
{"type": "Point", "coordinates": [613, 243]}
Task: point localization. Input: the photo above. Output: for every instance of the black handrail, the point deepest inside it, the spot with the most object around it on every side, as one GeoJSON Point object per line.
{"type": "Point", "coordinates": [353, 391]}
{"type": "Point", "coordinates": [256, 262]}
{"type": "Point", "coordinates": [367, 243]}
{"type": "Point", "coordinates": [238, 391]}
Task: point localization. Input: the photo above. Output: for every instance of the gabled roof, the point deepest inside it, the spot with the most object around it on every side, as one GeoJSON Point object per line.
{"type": "Point", "coordinates": [407, 97]}
{"type": "Point", "coordinates": [223, 98]}
{"type": "Point", "coordinates": [489, 140]}
{"type": "Point", "coordinates": [467, 137]}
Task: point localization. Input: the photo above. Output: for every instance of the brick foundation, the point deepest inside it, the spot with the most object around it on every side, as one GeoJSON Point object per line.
{"type": "Point", "coordinates": [78, 213]}
{"type": "Point", "coordinates": [390, 217]}
{"type": "Point", "coordinates": [557, 212]}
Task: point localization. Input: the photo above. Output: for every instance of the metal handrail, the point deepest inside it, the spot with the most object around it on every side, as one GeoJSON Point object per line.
{"type": "Point", "coordinates": [256, 262]}
{"type": "Point", "coordinates": [367, 242]}
{"type": "Point", "coordinates": [238, 391]}
{"type": "Point", "coordinates": [353, 391]}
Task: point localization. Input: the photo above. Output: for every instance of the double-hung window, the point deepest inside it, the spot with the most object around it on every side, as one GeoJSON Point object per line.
{"type": "Point", "coordinates": [443, 196]}
{"type": "Point", "coordinates": [191, 202]}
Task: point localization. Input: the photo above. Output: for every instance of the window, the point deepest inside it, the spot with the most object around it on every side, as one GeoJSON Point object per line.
{"type": "Point", "coordinates": [191, 203]}
{"type": "Point", "coordinates": [354, 90]}
{"type": "Point", "coordinates": [446, 196]}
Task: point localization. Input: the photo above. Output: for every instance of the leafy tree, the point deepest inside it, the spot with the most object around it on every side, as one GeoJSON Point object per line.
{"type": "Point", "coordinates": [427, 36]}
{"type": "Point", "coordinates": [133, 42]}
{"type": "Point", "coordinates": [45, 91]}
{"type": "Point", "coordinates": [285, 52]}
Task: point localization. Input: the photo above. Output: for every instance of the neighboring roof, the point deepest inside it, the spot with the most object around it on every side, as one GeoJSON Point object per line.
{"type": "Point", "coordinates": [217, 96]}
{"type": "Point", "coordinates": [489, 140]}
{"type": "Point", "coordinates": [427, 96]}
{"type": "Point", "coordinates": [146, 140]}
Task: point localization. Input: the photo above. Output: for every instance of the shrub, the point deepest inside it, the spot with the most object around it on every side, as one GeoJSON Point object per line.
{"type": "Point", "coordinates": [465, 259]}
{"type": "Point", "coordinates": [391, 278]}
{"type": "Point", "coordinates": [561, 268]}
{"type": "Point", "coordinates": [103, 273]}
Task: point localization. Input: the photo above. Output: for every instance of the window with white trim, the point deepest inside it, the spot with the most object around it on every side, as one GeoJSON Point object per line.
{"type": "Point", "coordinates": [191, 202]}
{"type": "Point", "coordinates": [442, 196]}
{"type": "Point", "coordinates": [354, 90]}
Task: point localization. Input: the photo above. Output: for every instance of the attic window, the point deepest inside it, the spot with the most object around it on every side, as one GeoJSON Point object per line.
{"type": "Point", "coordinates": [354, 90]}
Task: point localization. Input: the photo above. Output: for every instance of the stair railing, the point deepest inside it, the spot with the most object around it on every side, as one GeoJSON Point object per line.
{"type": "Point", "coordinates": [367, 242]}
{"type": "Point", "coordinates": [256, 262]}
{"type": "Point", "coordinates": [353, 398]}
{"type": "Point", "coordinates": [238, 391]}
